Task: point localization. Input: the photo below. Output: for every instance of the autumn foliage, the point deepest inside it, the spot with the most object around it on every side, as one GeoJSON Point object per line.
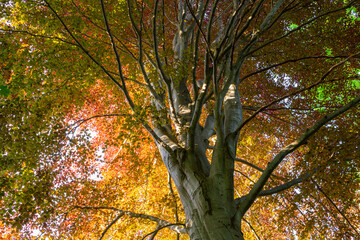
{"type": "Point", "coordinates": [96, 95]}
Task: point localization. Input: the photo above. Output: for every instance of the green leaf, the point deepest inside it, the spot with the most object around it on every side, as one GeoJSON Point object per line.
{"type": "Point", "coordinates": [4, 91]}
{"type": "Point", "coordinates": [356, 83]}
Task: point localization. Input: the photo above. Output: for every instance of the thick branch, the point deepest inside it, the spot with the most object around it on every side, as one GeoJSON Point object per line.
{"type": "Point", "coordinates": [289, 149]}
{"type": "Point", "coordinates": [109, 226]}
{"type": "Point", "coordinates": [268, 19]}
{"type": "Point", "coordinates": [199, 26]}
{"type": "Point", "coordinates": [162, 222]}
{"type": "Point", "coordinates": [253, 166]}
{"type": "Point", "coordinates": [284, 186]}
{"type": "Point", "coordinates": [174, 198]}
{"type": "Point", "coordinates": [156, 50]}
{"type": "Point", "coordinates": [121, 86]}
{"type": "Point", "coordinates": [117, 56]}
{"type": "Point", "coordinates": [281, 187]}
{"type": "Point", "coordinates": [296, 92]}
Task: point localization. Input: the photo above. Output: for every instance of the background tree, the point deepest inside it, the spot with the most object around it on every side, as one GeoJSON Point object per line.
{"type": "Point", "coordinates": [249, 105]}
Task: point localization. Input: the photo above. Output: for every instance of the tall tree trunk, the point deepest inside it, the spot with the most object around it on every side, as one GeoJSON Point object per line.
{"type": "Point", "coordinates": [210, 214]}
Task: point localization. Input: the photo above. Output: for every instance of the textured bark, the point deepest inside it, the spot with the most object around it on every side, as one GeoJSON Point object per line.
{"type": "Point", "coordinates": [206, 210]}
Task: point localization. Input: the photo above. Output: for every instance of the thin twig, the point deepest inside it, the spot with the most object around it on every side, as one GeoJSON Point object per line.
{"type": "Point", "coordinates": [38, 35]}
{"type": "Point", "coordinates": [159, 228]}
{"type": "Point", "coordinates": [257, 236]}
{"type": "Point", "coordinates": [292, 61]}
{"type": "Point", "coordinates": [301, 26]}
{"type": "Point", "coordinates": [76, 124]}
{"type": "Point", "coordinates": [81, 46]}
{"type": "Point", "coordinates": [332, 203]}
{"type": "Point", "coordinates": [295, 93]}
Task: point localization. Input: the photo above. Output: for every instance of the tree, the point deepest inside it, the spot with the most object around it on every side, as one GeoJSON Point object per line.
{"type": "Point", "coordinates": [252, 106]}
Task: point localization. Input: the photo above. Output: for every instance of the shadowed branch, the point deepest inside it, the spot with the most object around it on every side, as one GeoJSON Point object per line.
{"type": "Point", "coordinates": [177, 227]}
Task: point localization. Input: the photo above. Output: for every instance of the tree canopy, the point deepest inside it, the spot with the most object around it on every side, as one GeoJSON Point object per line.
{"type": "Point", "coordinates": [180, 119]}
